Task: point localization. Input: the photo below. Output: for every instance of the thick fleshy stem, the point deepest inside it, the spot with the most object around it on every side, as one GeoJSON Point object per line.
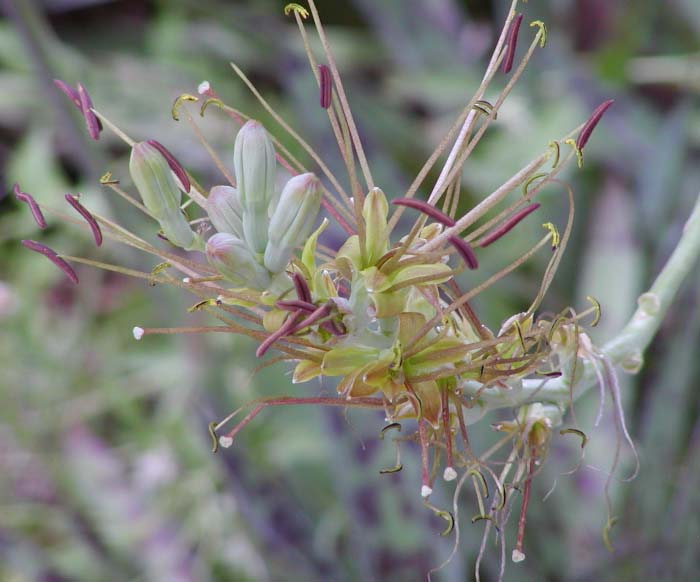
{"type": "Point", "coordinates": [627, 346]}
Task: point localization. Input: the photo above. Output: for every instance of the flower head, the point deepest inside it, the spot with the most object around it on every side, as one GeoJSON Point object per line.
{"type": "Point", "coordinates": [385, 312]}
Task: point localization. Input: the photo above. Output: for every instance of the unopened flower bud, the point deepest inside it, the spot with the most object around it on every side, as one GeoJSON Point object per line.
{"type": "Point", "coordinates": [375, 212]}
{"type": "Point", "coordinates": [292, 220]}
{"type": "Point", "coordinates": [224, 209]}
{"type": "Point", "coordinates": [255, 166]}
{"type": "Point", "coordinates": [231, 257]}
{"type": "Point", "coordinates": [161, 195]}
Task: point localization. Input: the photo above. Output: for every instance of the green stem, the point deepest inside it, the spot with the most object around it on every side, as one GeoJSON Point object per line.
{"type": "Point", "coordinates": [625, 350]}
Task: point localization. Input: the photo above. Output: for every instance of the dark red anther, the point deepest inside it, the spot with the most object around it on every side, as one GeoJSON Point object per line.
{"type": "Point", "coordinates": [89, 218]}
{"type": "Point", "coordinates": [295, 305]}
{"type": "Point", "coordinates": [593, 120]}
{"type": "Point", "coordinates": [508, 225]}
{"type": "Point", "coordinates": [464, 250]}
{"type": "Point", "coordinates": [94, 126]}
{"type": "Point", "coordinates": [302, 288]}
{"type": "Point", "coordinates": [175, 166]}
{"type": "Point", "coordinates": [33, 206]}
{"type": "Point", "coordinates": [425, 208]}
{"type": "Point", "coordinates": [336, 328]}
{"type": "Point", "coordinates": [325, 86]}
{"type": "Point", "coordinates": [511, 44]}
{"type": "Point", "coordinates": [53, 257]}
{"type": "Point", "coordinates": [319, 313]}
{"type": "Point", "coordinates": [69, 92]}
{"type": "Point", "coordinates": [286, 329]}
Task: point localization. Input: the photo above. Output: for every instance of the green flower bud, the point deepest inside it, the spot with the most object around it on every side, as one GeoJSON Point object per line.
{"type": "Point", "coordinates": [375, 212]}
{"type": "Point", "coordinates": [255, 166]}
{"type": "Point", "coordinates": [292, 220]}
{"type": "Point", "coordinates": [161, 195]}
{"type": "Point", "coordinates": [224, 209]}
{"type": "Point", "coordinates": [230, 256]}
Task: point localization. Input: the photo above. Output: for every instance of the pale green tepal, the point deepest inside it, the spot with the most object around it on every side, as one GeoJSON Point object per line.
{"type": "Point", "coordinates": [224, 210]}
{"type": "Point", "coordinates": [231, 257]}
{"type": "Point", "coordinates": [255, 166]}
{"type": "Point", "coordinates": [161, 195]}
{"type": "Point", "coordinates": [293, 220]}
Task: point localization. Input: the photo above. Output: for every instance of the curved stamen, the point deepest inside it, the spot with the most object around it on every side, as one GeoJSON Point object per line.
{"type": "Point", "coordinates": [175, 166]}
{"type": "Point", "coordinates": [94, 125]}
{"type": "Point", "coordinates": [33, 205]}
{"type": "Point", "coordinates": [590, 125]}
{"type": "Point", "coordinates": [512, 41]}
{"type": "Point", "coordinates": [508, 225]}
{"type": "Point", "coordinates": [425, 208]}
{"type": "Point", "coordinates": [89, 218]}
{"type": "Point", "coordinates": [52, 256]}
{"type": "Point", "coordinates": [465, 251]}
{"type": "Point", "coordinates": [325, 86]}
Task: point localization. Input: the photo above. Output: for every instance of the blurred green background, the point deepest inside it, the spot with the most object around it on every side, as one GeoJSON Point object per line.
{"type": "Point", "coordinates": [106, 471]}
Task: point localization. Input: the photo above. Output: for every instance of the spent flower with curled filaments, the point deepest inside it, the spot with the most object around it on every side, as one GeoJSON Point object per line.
{"type": "Point", "coordinates": [384, 313]}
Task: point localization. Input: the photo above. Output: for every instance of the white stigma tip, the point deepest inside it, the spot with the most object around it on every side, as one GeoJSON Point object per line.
{"type": "Point", "coordinates": [138, 333]}
{"type": "Point", "coordinates": [425, 491]}
{"type": "Point", "coordinates": [186, 279]}
{"type": "Point", "coordinates": [449, 474]}
{"type": "Point", "coordinates": [204, 87]}
{"type": "Point", "coordinates": [225, 441]}
{"type": "Point", "coordinates": [517, 556]}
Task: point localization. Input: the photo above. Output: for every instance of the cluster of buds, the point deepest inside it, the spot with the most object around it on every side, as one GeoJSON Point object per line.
{"type": "Point", "coordinates": [258, 229]}
{"type": "Point", "coordinates": [384, 314]}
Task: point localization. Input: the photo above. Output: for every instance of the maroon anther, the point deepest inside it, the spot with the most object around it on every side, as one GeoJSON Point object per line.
{"type": "Point", "coordinates": [464, 250]}
{"type": "Point", "coordinates": [593, 120]}
{"type": "Point", "coordinates": [511, 44]}
{"type": "Point", "coordinates": [69, 92]}
{"type": "Point", "coordinates": [287, 327]}
{"type": "Point", "coordinates": [33, 206]}
{"type": "Point", "coordinates": [319, 313]}
{"type": "Point", "coordinates": [94, 126]}
{"type": "Point", "coordinates": [425, 208]}
{"type": "Point", "coordinates": [51, 255]}
{"type": "Point", "coordinates": [336, 328]}
{"type": "Point", "coordinates": [302, 288]}
{"type": "Point", "coordinates": [325, 86]}
{"type": "Point", "coordinates": [175, 166]}
{"type": "Point", "coordinates": [295, 305]}
{"type": "Point", "coordinates": [508, 225]}
{"type": "Point", "coordinates": [89, 218]}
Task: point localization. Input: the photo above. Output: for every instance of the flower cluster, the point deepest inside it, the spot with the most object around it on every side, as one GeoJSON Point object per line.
{"type": "Point", "coordinates": [384, 313]}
